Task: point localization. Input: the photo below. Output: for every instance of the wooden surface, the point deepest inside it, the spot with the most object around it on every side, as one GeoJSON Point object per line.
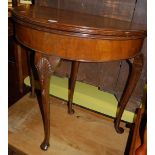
{"type": "Point", "coordinates": [110, 8]}
{"type": "Point", "coordinates": [77, 22]}
{"type": "Point", "coordinates": [139, 138]}
{"type": "Point", "coordinates": [77, 36]}
{"type": "Point", "coordinates": [84, 133]}
{"type": "Point", "coordinates": [13, 81]}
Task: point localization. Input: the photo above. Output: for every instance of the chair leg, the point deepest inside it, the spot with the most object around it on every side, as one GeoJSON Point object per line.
{"type": "Point", "coordinates": [45, 68]}
{"type": "Point", "coordinates": [72, 80]}
{"type": "Point", "coordinates": [136, 69]}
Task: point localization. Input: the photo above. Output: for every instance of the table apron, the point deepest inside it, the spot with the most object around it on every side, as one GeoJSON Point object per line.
{"type": "Point", "coordinates": [76, 48]}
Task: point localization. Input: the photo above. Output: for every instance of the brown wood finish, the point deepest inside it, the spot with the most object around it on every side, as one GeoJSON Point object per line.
{"type": "Point", "coordinates": [16, 62]}
{"type": "Point", "coordinates": [139, 143]}
{"type": "Point", "coordinates": [121, 9]}
{"type": "Point", "coordinates": [14, 93]}
{"type": "Point", "coordinates": [19, 65]}
{"type": "Point", "coordinates": [72, 80]}
{"type": "Point", "coordinates": [142, 149]}
{"type": "Point", "coordinates": [55, 33]}
{"type": "Point", "coordinates": [96, 50]}
{"type": "Point", "coordinates": [30, 57]}
{"type": "Point", "coordinates": [139, 138]}
{"type": "Point", "coordinates": [14, 3]}
{"type": "Point", "coordinates": [136, 69]}
{"type": "Point", "coordinates": [45, 66]}
{"type": "Point", "coordinates": [136, 141]}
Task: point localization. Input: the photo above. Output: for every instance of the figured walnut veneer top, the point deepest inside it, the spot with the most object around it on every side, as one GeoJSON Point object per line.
{"type": "Point", "coordinates": [76, 24]}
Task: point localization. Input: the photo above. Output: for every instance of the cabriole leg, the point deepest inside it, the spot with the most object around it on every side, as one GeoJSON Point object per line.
{"type": "Point", "coordinates": [45, 68]}
{"type": "Point", "coordinates": [72, 80]}
{"type": "Point", "coordinates": [136, 69]}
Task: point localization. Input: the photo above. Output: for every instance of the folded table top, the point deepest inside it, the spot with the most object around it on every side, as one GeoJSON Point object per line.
{"type": "Point", "coordinates": [77, 24]}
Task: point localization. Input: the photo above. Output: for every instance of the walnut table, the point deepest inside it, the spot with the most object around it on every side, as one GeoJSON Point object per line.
{"type": "Point", "coordinates": [56, 34]}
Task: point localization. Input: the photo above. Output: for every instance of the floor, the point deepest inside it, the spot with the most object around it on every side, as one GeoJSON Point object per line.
{"type": "Point", "coordinates": [84, 133]}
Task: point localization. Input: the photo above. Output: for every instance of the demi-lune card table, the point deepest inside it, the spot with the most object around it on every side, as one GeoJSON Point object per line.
{"type": "Point", "coordinates": [56, 34]}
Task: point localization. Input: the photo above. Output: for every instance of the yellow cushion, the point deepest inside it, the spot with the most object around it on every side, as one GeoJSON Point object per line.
{"type": "Point", "coordinates": [87, 96]}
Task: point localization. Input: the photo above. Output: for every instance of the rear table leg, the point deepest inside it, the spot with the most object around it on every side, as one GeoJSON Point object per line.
{"type": "Point", "coordinates": [72, 80]}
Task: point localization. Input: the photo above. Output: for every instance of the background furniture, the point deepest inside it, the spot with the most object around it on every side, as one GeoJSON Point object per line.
{"type": "Point", "coordinates": [17, 69]}
{"type": "Point", "coordinates": [139, 129]}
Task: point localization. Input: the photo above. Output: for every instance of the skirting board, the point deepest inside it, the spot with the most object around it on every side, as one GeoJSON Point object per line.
{"type": "Point", "coordinates": [87, 96]}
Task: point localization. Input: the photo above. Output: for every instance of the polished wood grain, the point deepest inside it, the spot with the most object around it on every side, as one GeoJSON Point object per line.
{"type": "Point", "coordinates": [121, 9]}
{"type": "Point", "coordinates": [67, 46]}
{"type": "Point", "coordinates": [55, 33]}
{"type": "Point", "coordinates": [72, 81]}
{"type": "Point", "coordinates": [68, 36]}
{"type": "Point", "coordinates": [136, 69]}
{"type": "Point", "coordinates": [45, 66]}
{"type": "Point", "coordinates": [71, 21]}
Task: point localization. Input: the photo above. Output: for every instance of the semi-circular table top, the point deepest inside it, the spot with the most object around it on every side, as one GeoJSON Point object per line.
{"type": "Point", "coordinates": [77, 36]}
{"type": "Point", "coordinates": [82, 24]}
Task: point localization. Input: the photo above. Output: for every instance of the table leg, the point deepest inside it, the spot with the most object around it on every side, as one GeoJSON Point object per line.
{"type": "Point", "coordinates": [72, 80]}
{"type": "Point", "coordinates": [45, 65]}
{"type": "Point", "coordinates": [136, 69]}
